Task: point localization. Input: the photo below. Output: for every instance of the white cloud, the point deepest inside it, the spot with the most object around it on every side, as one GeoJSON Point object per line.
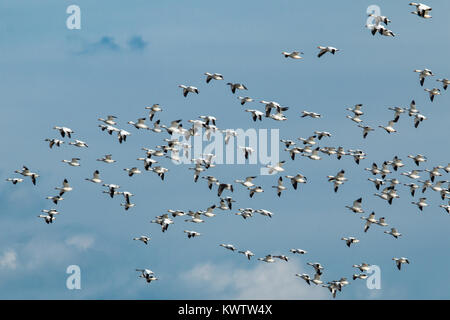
{"type": "Point", "coordinates": [8, 260]}
{"type": "Point", "coordinates": [82, 242]}
{"type": "Point", "coordinates": [264, 281]}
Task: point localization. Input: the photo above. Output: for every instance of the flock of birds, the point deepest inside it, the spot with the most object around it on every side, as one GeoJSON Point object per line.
{"type": "Point", "coordinates": [306, 147]}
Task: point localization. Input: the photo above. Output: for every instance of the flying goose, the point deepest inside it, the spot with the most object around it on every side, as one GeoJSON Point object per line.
{"type": "Point", "coordinates": [282, 257]}
{"type": "Point", "coordinates": [108, 128]}
{"type": "Point", "coordinates": [324, 50]}
{"type": "Point", "coordinates": [374, 170]}
{"type": "Point", "coordinates": [280, 186]}
{"type": "Point", "coordinates": [350, 240]}
{"type": "Point", "coordinates": [140, 124]}
{"type": "Point", "coordinates": [328, 150]}
{"type": "Point", "coordinates": [236, 86]}
{"type": "Point", "coordinates": [148, 161]}
{"type": "Point", "coordinates": [447, 168]}
{"type": "Point", "coordinates": [362, 267]}
{"type": "Point", "coordinates": [187, 89]}
{"type": "Point", "coordinates": [64, 131]}
{"type": "Point", "coordinates": [295, 180]}
{"type": "Point", "coordinates": [247, 182]}
{"type": "Point", "coordinates": [393, 232]}
{"type": "Point", "coordinates": [412, 188]}
{"type": "Point", "coordinates": [47, 218]}
{"type": "Point", "coordinates": [400, 261]}
{"type": "Point", "coordinates": [433, 92]}
{"type": "Point", "coordinates": [27, 173]}
{"type": "Point", "coordinates": [14, 180]}
{"type": "Point", "coordinates": [160, 171]}
{"type": "Point", "coordinates": [446, 207]}
{"type": "Point", "coordinates": [247, 151]}
{"type": "Point", "coordinates": [228, 246]}
{"type": "Point", "coordinates": [192, 234]}
{"type": "Point", "coordinates": [321, 134]}
{"type": "Point", "coordinates": [412, 109]}
{"type": "Point", "coordinates": [305, 277]}
{"type": "Point", "coordinates": [377, 182]}
{"type": "Point", "coordinates": [164, 221]}
{"type": "Point", "coordinates": [122, 135]}
{"type": "Point", "coordinates": [398, 111]}
{"type": "Point", "coordinates": [317, 267]}
{"type": "Point", "coordinates": [366, 130]}
{"type": "Point", "coordinates": [109, 120]}
{"type": "Point", "coordinates": [267, 259]}
{"type": "Point", "coordinates": [107, 159]}
{"type": "Point", "coordinates": [310, 114]}
{"type": "Point", "coordinates": [247, 253]}
{"type": "Point", "coordinates": [276, 168]}
{"type": "Point", "coordinates": [127, 205]}
{"type": "Point", "coordinates": [396, 163]}
{"type": "Point", "coordinates": [418, 159]}
{"type": "Point", "coordinates": [153, 110]}
{"type": "Point", "coordinates": [369, 220]}
{"type": "Point", "coordinates": [176, 213]}
{"type": "Point", "coordinates": [310, 140]}
{"type": "Point", "coordinates": [425, 185]}
{"type": "Point", "coordinates": [256, 115]}
{"type": "Point", "coordinates": [390, 127]}
{"type": "Point", "coordinates": [211, 181]}
{"type": "Point", "coordinates": [132, 171]}
{"type": "Point", "coordinates": [147, 274]}
{"type": "Point", "coordinates": [112, 189]}
{"type": "Point", "coordinates": [144, 239]}
{"type": "Point", "coordinates": [423, 74]}
{"type": "Point", "coordinates": [356, 110]}
{"type": "Point", "coordinates": [355, 118]}
{"type": "Point", "coordinates": [196, 218]}
{"type": "Point", "coordinates": [54, 142]}
{"type": "Point", "coordinates": [292, 55]}
{"type": "Point", "coordinates": [421, 203]}
{"type": "Point", "coordinates": [213, 76]}
{"type": "Point", "coordinates": [422, 10]}
{"type": "Point", "coordinates": [314, 154]}
{"type": "Point", "coordinates": [74, 162]}
{"type": "Point", "coordinates": [55, 199]}
{"type": "Point", "coordinates": [338, 179]}
{"type": "Point", "coordinates": [224, 186]}
{"type": "Point", "coordinates": [361, 276]}
{"type": "Point", "coordinates": [95, 177]}
{"type": "Point", "coordinates": [438, 186]}
{"type": "Point", "coordinates": [209, 212]}
{"type": "Point", "coordinates": [298, 251]}
{"type": "Point", "coordinates": [356, 207]}
{"type": "Point", "coordinates": [245, 100]}
{"type": "Point", "coordinates": [264, 212]}
{"type": "Point", "coordinates": [65, 188]}
{"type": "Point", "coordinates": [445, 82]}
{"type": "Point", "coordinates": [380, 19]}
{"type": "Point", "coordinates": [434, 172]}
{"type": "Point", "coordinates": [257, 189]}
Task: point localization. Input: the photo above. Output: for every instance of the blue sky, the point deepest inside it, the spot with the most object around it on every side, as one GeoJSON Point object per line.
{"type": "Point", "coordinates": [126, 57]}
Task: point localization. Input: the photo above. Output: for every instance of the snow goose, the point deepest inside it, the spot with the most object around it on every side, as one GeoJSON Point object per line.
{"type": "Point", "coordinates": [187, 89]}
{"type": "Point", "coordinates": [164, 221]}
{"type": "Point", "coordinates": [211, 181]}
{"type": "Point", "coordinates": [314, 154]}
{"type": "Point", "coordinates": [228, 246]}
{"type": "Point", "coordinates": [153, 110]}
{"type": "Point", "coordinates": [361, 276]}
{"type": "Point", "coordinates": [350, 240]}
{"type": "Point", "coordinates": [122, 135]}
{"type": "Point", "coordinates": [393, 232]}
{"type": "Point", "coordinates": [380, 19]}
{"type": "Point", "coordinates": [305, 277]}
{"type": "Point", "coordinates": [109, 120]}
{"type": "Point", "coordinates": [418, 158]}
{"type": "Point", "coordinates": [65, 188]}
{"type": "Point", "coordinates": [108, 128]}
{"type": "Point", "coordinates": [224, 186]}
{"type": "Point", "coordinates": [356, 207]}
{"type": "Point", "coordinates": [438, 186]}
{"type": "Point", "coordinates": [27, 173]}
{"type": "Point", "coordinates": [382, 30]}
{"type": "Point", "coordinates": [280, 186]}
{"type": "Point", "coordinates": [127, 195]}
{"type": "Point", "coordinates": [414, 174]}
{"type": "Point", "coordinates": [421, 203]}
{"type": "Point", "coordinates": [292, 55]}
{"type": "Point", "coordinates": [144, 239]}
{"type": "Point", "coordinates": [356, 110]}
{"type": "Point", "coordinates": [316, 279]}
{"type": "Point", "coordinates": [282, 257]}
{"type": "Point", "coordinates": [257, 189]}
{"type": "Point", "coordinates": [223, 205]}
{"type": "Point", "coordinates": [196, 218]}
{"type": "Point", "coordinates": [357, 155]}
{"type": "Point", "coordinates": [264, 212]}
{"type": "Point", "coordinates": [54, 142]}
{"type": "Point", "coordinates": [355, 118]}
{"type": "Point", "coordinates": [247, 182]}
{"type": "Point", "coordinates": [369, 220]}
{"type": "Point", "coordinates": [374, 170]}
{"type": "Point", "coordinates": [112, 189]}
{"type": "Point", "coordinates": [338, 179]}
{"type": "Point", "coordinates": [192, 234]}
{"type": "Point", "coordinates": [147, 162]}
{"type": "Point", "coordinates": [147, 275]}
{"type": "Point", "coordinates": [176, 213]}
{"type": "Point", "coordinates": [400, 261]}
{"type": "Point", "coordinates": [310, 114]}
{"type": "Point", "coordinates": [244, 100]}
{"type": "Point", "coordinates": [388, 194]}
{"type": "Point", "coordinates": [298, 251]}
{"type": "Point", "coordinates": [256, 115]}
{"type": "Point", "coordinates": [236, 86]}
{"type": "Point", "coordinates": [362, 267]}
{"type": "Point", "coordinates": [276, 168]}
{"type": "Point", "coordinates": [310, 140]}
{"type": "Point", "coordinates": [267, 259]}
{"type": "Point", "coordinates": [425, 185]}
{"type": "Point", "coordinates": [382, 222]}
{"type": "Point", "coordinates": [324, 50]}
{"type": "Point", "coordinates": [446, 207]}
{"type": "Point", "coordinates": [140, 124]}
{"type": "Point", "coordinates": [209, 212]}
{"type": "Point", "coordinates": [423, 74]}
{"type": "Point", "coordinates": [396, 163]}
{"type": "Point", "coordinates": [156, 127]}
{"type": "Point", "coordinates": [14, 180]}
{"type": "Point", "coordinates": [160, 171]}
{"type": "Point", "coordinates": [107, 159]}
{"type": "Point", "coordinates": [366, 130]}
{"type": "Point", "coordinates": [247, 151]}
{"type": "Point", "coordinates": [447, 168]}
{"type": "Point", "coordinates": [418, 119]}
{"type": "Point", "coordinates": [412, 188]}
{"type": "Point", "coordinates": [434, 172]}
{"type": "Point", "coordinates": [412, 109]}
{"type": "Point", "coordinates": [317, 267]}
{"type": "Point", "coordinates": [333, 287]}
{"type": "Point", "coordinates": [247, 253]}
{"type": "Point", "coordinates": [245, 213]}
{"type": "Point", "coordinates": [433, 92]}
{"type": "Point", "coordinates": [73, 163]}
{"type": "Point", "coordinates": [47, 218]}
{"type": "Point", "coordinates": [398, 111]}
{"type": "Point", "coordinates": [389, 128]}
{"type": "Point", "coordinates": [445, 83]}
{"type": "Point", "coordinates": [213, 76]}
{"type": "Point", "coordinates": [278, 116]}
{"type": "Point", "coordinates": [132, 171]}
{"type": "Point", "coordinates": [294, 151]}
{"type": "Point", "coordinates": [295, 180]}
{"type": "Point", "coordinates": [422, 10]}
{"type": "Point", "coordinates": [64, 131]}
{"type": "Point", "coordinates": [377, 182]}
{"type": "Point", "coordinates": [95, 177]}
{"type": "Point", "coordinates": [321, 134]}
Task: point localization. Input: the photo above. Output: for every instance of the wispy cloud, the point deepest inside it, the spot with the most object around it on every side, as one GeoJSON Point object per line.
{"type": "Point", "coordinates": [105, 44]}
{"type": "Point", "coordinates": [137, 43]}
{"type": "Point", "coordinates": [8, 260]}
{"type": "Point", "coordinates": [82, 242]}
{"type": "Point", "coordinates": [264, 281]}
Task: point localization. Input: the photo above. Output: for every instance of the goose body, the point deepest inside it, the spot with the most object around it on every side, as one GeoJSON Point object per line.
{"type": "Point", "coordinates": [64, 131]}
{"type": "Point", "coordinates": [73, 163]}
{"type": "Point", "coordinates": [54, 142]}
{"type": "Point", "coordinates": [144, 239]}
{"type": "Point", "coordinates": [400, 261]}
{"type": "Point", "coordinates": [213, 76]}
{"type": "Point", "coordinates": [324, 50]}
{"type": "Point", "coordinates": [236, 86]}
{"type": "Point", "coordinates": [292, 55]}
{"type": "Point", "coordinates": [187, 89]}
{"type": "Point", "coordinates": [107, 159]}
